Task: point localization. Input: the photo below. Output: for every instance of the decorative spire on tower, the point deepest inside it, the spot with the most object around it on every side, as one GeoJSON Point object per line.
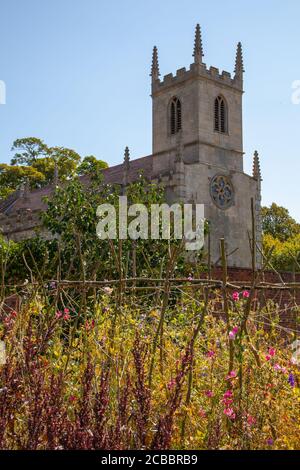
{"type": "Point", "coordinates": [126, 166]}
{"type": "Point", "coordinates": [256, 173]}
{"type": "Point", "coordinates": [24, 189]}
{"type": "Point", "coordinates": [126, 158]}
{"type": "Point", "coordinates": [155, 66]}
{"type": "Point", "coordinates": [198, 49]}
{"type": "Point", "coordinates": [239, 64]}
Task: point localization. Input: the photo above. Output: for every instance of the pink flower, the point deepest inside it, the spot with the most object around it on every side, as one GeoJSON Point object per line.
{"type": "Point", "coordinates": [231, 375]}
{"type": "Point", "coordinates": [229, 413]}
{"type": "Point", "coordinates": [58, 314]}
{"type": "Point", "coordinates": [66, 310]}
{"type": "Point", "coordinates": [246, 294]}
{"type": "Point", "coordinates": [227, 401]}
{"type": "Point", "coordinates": [233, 332]}
{"type": "Point", "coordinates": [251, 420]}
{"type": "Point", "coordinates": [279, 368]}
{"type": "Point", "coordinates": [67, 316]}
{"type": "Point", "coordinates": [235, 296]}
{"type": "Point", "coordinates": [190, 278]}
{"type": "Point", "coordinates": [272, 352]}
{"type": "Point", "coordinates": [228, 394]}
{"type": "Point", "coordinates": [210, 354]}
{"type": "Point", "coordinates": [209, 393]}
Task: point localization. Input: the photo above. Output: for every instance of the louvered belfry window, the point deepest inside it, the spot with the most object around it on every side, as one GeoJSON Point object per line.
{"type": "Point", "coordinates": [175, 118]}
{"type": "Point", "coordinates": [220, 115]}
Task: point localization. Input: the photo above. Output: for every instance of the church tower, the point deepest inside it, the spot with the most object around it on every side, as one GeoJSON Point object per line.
{"type": "Point", "coordinates": [202, 104]}
{"type": "Point", "coordinates": [197, 145]}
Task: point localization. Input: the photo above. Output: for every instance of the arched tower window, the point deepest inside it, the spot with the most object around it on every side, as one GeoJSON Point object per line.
{"type": "Point", "coordinates": [175, 115]}
{"type": "Point", "coordinates": [221, 115]}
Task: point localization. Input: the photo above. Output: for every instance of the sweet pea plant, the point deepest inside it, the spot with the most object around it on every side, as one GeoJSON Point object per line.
{"type": "Point", "coordinates": [116, 373]}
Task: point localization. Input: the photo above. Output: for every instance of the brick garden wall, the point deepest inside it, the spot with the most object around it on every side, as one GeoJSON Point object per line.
{"type": "Point", "coordinates": [286, 299]}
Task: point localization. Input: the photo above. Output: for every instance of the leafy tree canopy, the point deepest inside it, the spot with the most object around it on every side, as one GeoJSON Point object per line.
{"type": "Point", "coordinates": [34, 163]}
{"type": "Point", "coordinates": [277, 222]}
{"type": "Point", "coordinates": [11, 177]}
{"type": "Point", "coordinates": [90, 165]}
{"type": "Point", "coordinates": [285, 255]}
{"type": "Point", "coordinates": [28, 150]}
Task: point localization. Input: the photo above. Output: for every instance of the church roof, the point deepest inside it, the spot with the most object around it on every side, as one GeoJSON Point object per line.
{"type": "Point", "coordinates": [33, 200]}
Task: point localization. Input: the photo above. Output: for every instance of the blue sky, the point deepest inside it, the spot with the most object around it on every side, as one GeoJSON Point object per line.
{"type": "Point", "coordinates": [77, 75]}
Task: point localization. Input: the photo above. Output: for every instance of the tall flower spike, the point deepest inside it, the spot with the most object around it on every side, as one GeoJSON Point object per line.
{"type": "Point", "coordinates": [256, 167]}
{"type": "Point", "coordinates": [155, 67]}
{"type": "Point", "coordinates": [198, 49]}
{"type": "Point", "coordinates": [239, 64]}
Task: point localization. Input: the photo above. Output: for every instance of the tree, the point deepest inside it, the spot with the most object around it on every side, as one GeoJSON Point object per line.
{"type": "Point", "coordinates": [91, 166]}
{"type": "Point", "coordinates": [28, 150]}
{"type": "Point", "coordinates": [12, 177]}
{"type": "Point", "coordinates": [66, 160]}
{"type": "Point", "coordinates": [286, 254]}
{"type": "Point", "coordinates": [34, 162]}
{"type": "Point", "coordinates": [277, 222]}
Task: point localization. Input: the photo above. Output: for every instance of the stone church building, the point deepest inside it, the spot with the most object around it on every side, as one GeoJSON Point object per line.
{"type": "Point", "coordinates": [197, 154]}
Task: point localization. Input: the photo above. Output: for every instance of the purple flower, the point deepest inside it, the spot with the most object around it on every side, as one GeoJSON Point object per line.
{"type": "Point", "coordinates": [291, 380]}
{"type": "Point", "coordinates": [270, 442]}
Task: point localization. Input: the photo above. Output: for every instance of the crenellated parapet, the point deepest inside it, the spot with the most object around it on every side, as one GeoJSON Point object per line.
{"type": "Point", "coordinates": [198, 70]}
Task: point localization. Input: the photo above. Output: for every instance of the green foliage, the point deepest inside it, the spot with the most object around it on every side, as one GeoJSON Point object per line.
{"type": "Point", "coordinates": [75, 251]}
{"type": "Point", "coordinates": [28, 150]}
{"type": "Point", "coordinates": [71, 218]}
{"type": "Point", "coordinates": [277, 222]}
{"type": "Point", "coordinates": [34, 163]}
{"type": "Point", "coordinates": [282, 234]}
{"type": "Point", "coordinates": [286, 255]}
{"type": "Point", "coordinates": [11, 177]}
{"type": "Point", "coordinates": [28, 259]}
{"type": "Point", "coordinates": [91, 166]}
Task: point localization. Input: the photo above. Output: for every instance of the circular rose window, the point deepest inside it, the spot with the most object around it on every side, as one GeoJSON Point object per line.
{"type": "Point", "coordinates": [221, 191]}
